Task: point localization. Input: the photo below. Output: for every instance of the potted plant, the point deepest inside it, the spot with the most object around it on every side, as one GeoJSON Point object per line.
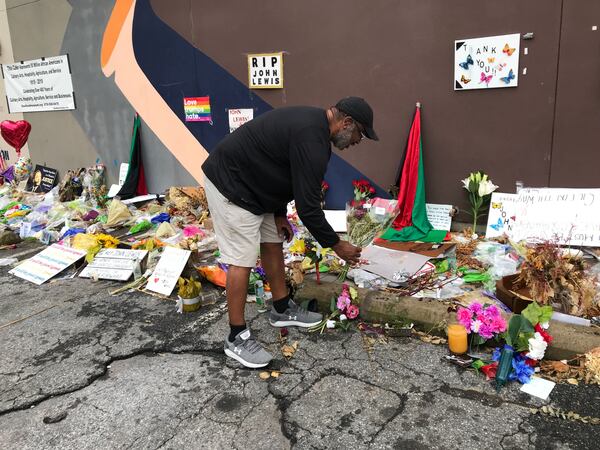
{"type": "Point", "coordinates": [188, 294]}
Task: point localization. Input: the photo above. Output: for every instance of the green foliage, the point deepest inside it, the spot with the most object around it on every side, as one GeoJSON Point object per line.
{"type": "Point", "coordinates": [518, 328]}
{"type": "Point", "coordinates": [536, 313]}
{"type": "Point", "coordinates": [188, 288]}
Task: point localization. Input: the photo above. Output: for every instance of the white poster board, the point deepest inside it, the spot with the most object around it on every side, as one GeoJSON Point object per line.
{"type": "Point", "coordinates": [394, 265]}
{"type": "Point", "coordinates": [486, 62]}
{"type": "Point", "coordinates": [114, 264]}
{"type": "Point", "coordinates": [48, 263]}
{"type": "Point", "coordinates": [502, 215]}
{"type": "Point", "coordinates": [167, 271]}
{"type": "Point", "coordinates": [39, 85]}
{"type": "Point", "coordinates": [572, 216]}
{"type": "Point", "coordinates": [238, 117]}
{"type": "Point", "coordinates": [439, 216]}
{"type": "Point", "coordinates": [265, 71]}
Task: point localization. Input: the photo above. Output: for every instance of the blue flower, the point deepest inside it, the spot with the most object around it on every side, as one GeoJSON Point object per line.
{"type": "Point", "coordinates": [496, 354]}
{"type": "Point", "coordinates": [521, 371]}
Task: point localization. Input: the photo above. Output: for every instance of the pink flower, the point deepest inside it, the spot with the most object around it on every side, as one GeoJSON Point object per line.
{"type": "Point", "coordinates": [476, 308]}
{"type": "Point", "coordinates": [498, 325]}
{"type": "Point", "coordinates": [192, 230]}
{"type": "Point", "coordinates": [343, 302]}
{"type": "Point", "coordinates": [492, 311]}
{"type": "Point", "coordinates": [463, 315]}
{"type": "Point", "coordinates": [485, 331]}
{"type": "Point", "coordinates": [352, 312]}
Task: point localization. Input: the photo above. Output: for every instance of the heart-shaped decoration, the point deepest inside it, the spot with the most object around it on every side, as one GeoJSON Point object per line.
{"type": "Point", "coordinates": [15, 133]}
{"type": "Point", "coordinates": [156, 280]}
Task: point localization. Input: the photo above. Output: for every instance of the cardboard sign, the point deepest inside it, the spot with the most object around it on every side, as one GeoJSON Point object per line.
{"type": "Point", "coordinates": [238, 117]}
{"type": "Point", "coordinates": [47, 263]}
{"type": "Point", "coordinates": [197, 109]}
{"type": "Point", "coordinates": [167, 271]}
{"type": "Point", "coordinates": [569, 216]}
{"type": "Point", "coordinates": [265, 71]}
{"type": "Point", "coordinates": [502, 215]}
{"type": "Point", "coordinates": [115, 264]}
{"type": "Point", "coordinates": [439, 216]}
{"type": "Point", "coordinates": [39, 85]}
{"type": "Point", "coordinates": [43, 179]}
{"type": "Point", "coordinates": [487, 62]}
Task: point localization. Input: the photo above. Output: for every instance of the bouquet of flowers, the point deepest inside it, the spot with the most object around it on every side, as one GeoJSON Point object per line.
{"type": "Point", "coordinates": [362, 192]}
{"type": "Point", "coordinates": [342, 311]}
{"type": "Point", "coordinates": [480, 189]}
{"type": "Point", "coordinates": [484, 322]}
{"type": "Point", "coordinates": [368, 219]}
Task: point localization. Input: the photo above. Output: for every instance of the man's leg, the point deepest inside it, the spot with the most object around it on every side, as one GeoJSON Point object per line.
{"type": "Point", "coordinates": [237, 288]}
{"type": "Point", "coordinates": [271, 257]}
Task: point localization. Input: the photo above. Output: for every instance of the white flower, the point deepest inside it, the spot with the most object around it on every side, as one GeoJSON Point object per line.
{"type": "Point", "coordinates": [465, 183]}
{"type": "Point", "coordinates": [343, 317]}
{"type": "Point", "coordinates": [545, 325]}
{"type": "Point", "coordinates": [486, 187]}
{"type": "Point", "coordinates": [475, 326]}
{"type": "Point", "coordinates": [331, 324]}
{"type": "Point", "coordinates": [537, 347]}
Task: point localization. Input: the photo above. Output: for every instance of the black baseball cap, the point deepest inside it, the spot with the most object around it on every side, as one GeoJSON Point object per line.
{"type": "Point", "coordinates": [359, 110]}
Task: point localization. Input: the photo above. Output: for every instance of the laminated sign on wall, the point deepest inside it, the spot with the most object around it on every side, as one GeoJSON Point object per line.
{"type": "Point", "coordinates": [39, 85]}
{"type": "Point", "coordinates": [265, 71]}
{"type": "Point", "coordinates": [238, 117]}
{"type": "Point", "coordinates": [487, 62]}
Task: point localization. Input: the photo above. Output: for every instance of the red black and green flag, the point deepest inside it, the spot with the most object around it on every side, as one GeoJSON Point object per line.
{"type": "Point", "coordinates": [412, 223]}
{"type": "Point", "coordinates": [135, 182]}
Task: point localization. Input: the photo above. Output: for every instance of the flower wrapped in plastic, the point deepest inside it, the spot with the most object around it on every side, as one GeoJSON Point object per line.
{"type": "Point", "coordinates": [368, 220]}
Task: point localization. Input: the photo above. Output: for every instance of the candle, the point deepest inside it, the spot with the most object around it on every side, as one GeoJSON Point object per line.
{"type": "Point", "coordinates": [457, 339]}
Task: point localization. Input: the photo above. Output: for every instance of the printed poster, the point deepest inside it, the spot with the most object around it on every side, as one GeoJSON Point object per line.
{"type": "Point", "coordinates": [487, 62]}
{"type": "Point", "coordinates": [197, 109]}
{"type": "Point", "coordinates": [39, 85]}
{"type": "Point", "coordinates": [43, 179]}
{"type": "Point", "coordinates": [265, 71]}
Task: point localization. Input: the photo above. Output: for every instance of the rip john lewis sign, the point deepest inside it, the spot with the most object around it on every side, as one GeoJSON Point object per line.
{"type": "Point", "coordinates": [265, 71]}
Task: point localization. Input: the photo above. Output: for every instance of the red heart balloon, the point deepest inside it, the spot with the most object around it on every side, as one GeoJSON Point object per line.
{"type": "Point", "coordinates": [15, 133]}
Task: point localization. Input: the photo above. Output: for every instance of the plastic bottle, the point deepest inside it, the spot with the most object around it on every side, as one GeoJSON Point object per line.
{"type": "Point", "coordinates": [260, 296]}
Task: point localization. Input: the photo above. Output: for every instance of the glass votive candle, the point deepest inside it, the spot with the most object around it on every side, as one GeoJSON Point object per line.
{"type": "Point", "coordinates": [457, 339]}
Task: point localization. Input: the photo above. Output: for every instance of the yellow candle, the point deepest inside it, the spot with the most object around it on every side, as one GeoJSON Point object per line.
{"type": "Point", "coordinates": [457, 339]}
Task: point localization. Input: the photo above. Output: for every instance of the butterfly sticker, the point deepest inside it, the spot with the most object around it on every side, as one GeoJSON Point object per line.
{"type": "Point", "coordinates": [465, 65]}
{"type": "Point", "coordinates": [464, 80]}
{"type": "Point", "coordinates": [501, 66]}
{"type": "Point", "coordinates": [496, 205]}
{"type": "Point", "coordinates": [511, 76]}
{"type": "Point", "coordinates": [485, 79]}
{"type": "Point", "coordinates": [491, 60]}
{"type": "Point", "coordinates": [508, 50]}
{"type": "Point", "coordinates": [498, 225]}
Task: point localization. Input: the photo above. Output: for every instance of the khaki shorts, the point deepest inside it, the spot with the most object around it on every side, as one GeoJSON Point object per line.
{"type": "Point", "coordinates": [239, 232]}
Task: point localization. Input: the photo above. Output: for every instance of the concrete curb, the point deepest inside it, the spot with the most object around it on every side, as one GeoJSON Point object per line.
{"type": "Point", "coordinates": [569, 340]}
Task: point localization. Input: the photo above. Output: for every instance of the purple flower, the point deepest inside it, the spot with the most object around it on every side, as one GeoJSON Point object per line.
{"type": "Point", "coordinates": [492, 311]}
{"type": "Point", "coordinates": [260, 271]}
{"type": "Point", "coordinates": [485, 331]}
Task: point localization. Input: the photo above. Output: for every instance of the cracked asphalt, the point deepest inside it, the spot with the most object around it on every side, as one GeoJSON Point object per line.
{"type": "Point", "coordinates": [129, 372]}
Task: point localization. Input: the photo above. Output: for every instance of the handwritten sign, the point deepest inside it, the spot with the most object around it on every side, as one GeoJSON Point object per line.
{"type": "Point", "coordinates": [238, 117]}
{"type": "Point", "coordinates": [47, 263]}
{"type": "Point", "coordinates": [115, 264]}
{"type": "Point", "coordinates": [265, 71]}
{"type": "Point", "coordinates": [571, 216]}
{"type": "Point", "coordinates": [502, 215]}
{"type": "Point", "coordinates": [486, 62]}
{"type": "Point", "coordinates": [439, 216]}
{"type": "Point", "coordinates": [167, 271]}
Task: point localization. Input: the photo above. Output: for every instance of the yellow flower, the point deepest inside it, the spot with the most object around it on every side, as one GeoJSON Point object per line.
{"type": "Point", "coordinates": [298, 247]}
{"type": "Point", "coordinates": [107, 241]}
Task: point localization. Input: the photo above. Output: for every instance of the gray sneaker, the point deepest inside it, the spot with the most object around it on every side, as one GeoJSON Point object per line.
{"type": "Point", "coordinates": [247, 351]}
{"type": "Point", "coordinates": [294, 316]}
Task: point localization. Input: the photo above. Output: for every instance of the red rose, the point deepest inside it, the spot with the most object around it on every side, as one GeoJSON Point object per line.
{"type": "Point", "coordinates": [372, 190]}
{"type": "Point", "coordinates": [490, 370]}
{"type": "Point", "coordinates": [544, 333]}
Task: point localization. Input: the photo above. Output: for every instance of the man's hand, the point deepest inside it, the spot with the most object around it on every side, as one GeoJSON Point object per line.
{"type": "Point", "coordinates": [347, 252]}
{"type": "Point", "coordinates": [284, 228]}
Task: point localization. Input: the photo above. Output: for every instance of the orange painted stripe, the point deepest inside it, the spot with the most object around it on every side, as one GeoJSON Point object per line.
{"type": "Point", "coordinates": [113, 28]}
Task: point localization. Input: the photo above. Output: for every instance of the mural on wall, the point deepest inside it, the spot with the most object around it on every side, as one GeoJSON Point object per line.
{"type": "Point", "coordinates": [155, 68]}
{"type": "Point", "coordinates": [487, 62]}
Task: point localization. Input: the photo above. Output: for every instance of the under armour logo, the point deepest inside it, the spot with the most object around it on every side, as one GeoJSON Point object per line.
{"type": "Point", "coordinates": [291, 317]}
{"type": "Point", "coordinates": [238, 350]}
